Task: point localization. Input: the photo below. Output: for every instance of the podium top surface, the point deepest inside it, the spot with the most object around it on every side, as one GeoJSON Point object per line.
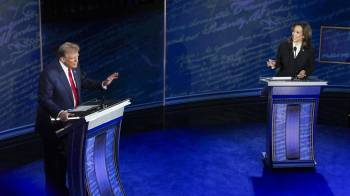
{"type": "Point", "coordinates": [289, 81]}
{"type": "Point", "coordinates": [107, 110]}
{"type": "Point", "coordinates": [106, 115]}
{"type": "Point", "coordinates": [97, 113]}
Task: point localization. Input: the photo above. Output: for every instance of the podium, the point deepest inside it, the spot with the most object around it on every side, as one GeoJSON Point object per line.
{"type": "Point", "coordinates": [93, 150]}
{"type": "Point", "coordinates": [292, 113]}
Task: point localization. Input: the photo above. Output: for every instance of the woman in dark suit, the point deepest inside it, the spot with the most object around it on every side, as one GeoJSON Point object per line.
{"type": "Point", "coordinates": [295, 56]}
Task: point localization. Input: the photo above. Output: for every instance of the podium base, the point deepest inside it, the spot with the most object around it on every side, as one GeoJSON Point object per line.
{"type": "Point", "coordinates": [287, 163]}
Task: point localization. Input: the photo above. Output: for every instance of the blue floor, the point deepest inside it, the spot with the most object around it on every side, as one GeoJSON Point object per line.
{"type": "Point", "coordinates": [220, 160]}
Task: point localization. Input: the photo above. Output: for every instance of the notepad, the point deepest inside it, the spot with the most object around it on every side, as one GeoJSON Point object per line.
{"type": "Point", "coordinates": [83, 108]}
{"type": "Point", "coordinates": [281, 78]}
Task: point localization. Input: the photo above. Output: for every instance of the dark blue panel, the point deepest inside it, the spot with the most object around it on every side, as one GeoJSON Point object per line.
{"type": "Point", "coordinates": [19, 62]}
{"type": "Point", "coordinates": [132, 46]}
{"type": "Point", "coordinates": [222, 46]}
{"type": "Point", "coordinates": [335, 44]}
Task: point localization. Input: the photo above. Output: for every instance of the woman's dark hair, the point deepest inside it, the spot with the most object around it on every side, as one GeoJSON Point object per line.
{"type": "Point", "coordinates": [307, 33]}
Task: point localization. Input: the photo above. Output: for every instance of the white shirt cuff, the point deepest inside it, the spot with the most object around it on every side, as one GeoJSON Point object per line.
{"type": "Point", "coordinates": [103, 86]}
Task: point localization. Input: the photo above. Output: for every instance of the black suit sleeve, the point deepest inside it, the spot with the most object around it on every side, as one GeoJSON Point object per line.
{"type": "Point", "coordinates": [310, 67]}
{"type": "Point", "coordinates": [87, 83]}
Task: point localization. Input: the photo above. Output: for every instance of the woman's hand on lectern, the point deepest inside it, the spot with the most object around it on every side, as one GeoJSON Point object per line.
{"type": "Point", "coordinates": [301, 74]}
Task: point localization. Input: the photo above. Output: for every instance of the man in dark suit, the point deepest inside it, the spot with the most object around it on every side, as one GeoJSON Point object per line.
{"type": "Point", "coordinates": [60, 86]}
{"type": "Point", "coordinates": [295, 56]}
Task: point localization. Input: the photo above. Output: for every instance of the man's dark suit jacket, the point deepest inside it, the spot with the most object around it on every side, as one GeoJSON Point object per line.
{"type": "Point", "coordinates": [288, 66]}
{"type": "Point", "coordinates": [55, 93]}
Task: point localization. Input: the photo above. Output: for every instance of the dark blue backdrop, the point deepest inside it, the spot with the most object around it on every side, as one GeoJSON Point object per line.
{"type": "Point", "coordinates": [213, 48]}
{"type": "Point", "coordinates": [132, 46]}
{"type": "Point", "coordinates": [19, 62]}
{"type": "Point", "coordinates": [220, 47]}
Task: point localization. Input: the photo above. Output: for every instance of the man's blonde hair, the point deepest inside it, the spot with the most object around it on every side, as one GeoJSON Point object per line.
{"type": "Point", "coordinates": [67, 47]}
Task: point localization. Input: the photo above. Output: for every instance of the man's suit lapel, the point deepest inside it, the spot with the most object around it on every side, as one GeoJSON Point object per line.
{"type": "Point", "coordinates": [77, 80]}
{"type": "Point", "coordinates": [64, 81]}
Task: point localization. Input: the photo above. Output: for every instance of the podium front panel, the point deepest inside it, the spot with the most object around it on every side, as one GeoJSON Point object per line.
{"type": "Point", "coordinates": [292, 129]}
{"type": "Point", "coordinates": [292, 107]}
{"type": "Point", "coordinates": [101, 165]}
{"type": "Point", "coordinates": [93, 166]}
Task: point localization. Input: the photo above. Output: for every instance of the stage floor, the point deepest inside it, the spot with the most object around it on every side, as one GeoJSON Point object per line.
{"type": "Point", "coordinates": [209, 160]}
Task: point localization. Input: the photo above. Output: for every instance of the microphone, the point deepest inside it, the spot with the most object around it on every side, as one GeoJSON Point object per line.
{"type": "Point", "coordinates": [102, 104]}
{"type": "Point", "coordinates": [295, 51]}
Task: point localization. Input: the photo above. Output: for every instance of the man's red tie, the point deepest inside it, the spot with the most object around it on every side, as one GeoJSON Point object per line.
{"type": "Point", "coordinates": [74, 88]}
